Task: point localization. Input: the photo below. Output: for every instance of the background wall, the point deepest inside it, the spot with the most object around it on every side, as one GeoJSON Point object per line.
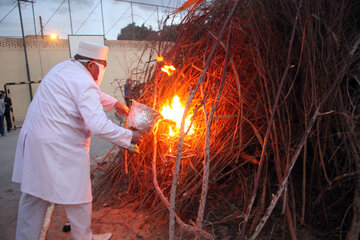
{"type": "Point", "coordinates": [126, 59]}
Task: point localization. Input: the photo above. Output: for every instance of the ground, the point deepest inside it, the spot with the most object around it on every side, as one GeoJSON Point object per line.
{"type": "Point", "coordinates": [123, 223]}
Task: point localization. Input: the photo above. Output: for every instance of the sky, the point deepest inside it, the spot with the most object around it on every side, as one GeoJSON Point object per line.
{"type": "Point", "coordinates": [85, 15]}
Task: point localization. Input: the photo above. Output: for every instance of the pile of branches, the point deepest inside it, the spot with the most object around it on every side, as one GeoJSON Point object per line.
{"type": "Point", "coordinates": [272, 90]}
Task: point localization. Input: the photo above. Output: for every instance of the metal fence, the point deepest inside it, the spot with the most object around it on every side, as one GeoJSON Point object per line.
{"type": "Point", "coordinates": [64, 17]}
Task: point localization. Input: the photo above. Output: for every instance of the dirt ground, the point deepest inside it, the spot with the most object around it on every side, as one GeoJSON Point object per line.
{"type": "Point", "coordinates": [123, 223]}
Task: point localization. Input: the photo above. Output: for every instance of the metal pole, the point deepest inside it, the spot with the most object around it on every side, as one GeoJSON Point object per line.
{"type": "Point", "coordinates": [26, 58]}
{"type": "Point", "coordinates": [132, 20]}
{"type": "Point", "coordinates": [158, 18]}
{"type": "Point", "coordinates": [41, 27]}
{"type": "Point", "coordinates": [102, 16]}
{"type": "Point", "coordinates": [32, 5]}
{"type": "Point", "coordinates": [70, 18]}
{"type": "Point", "coordinates": [132, 13]}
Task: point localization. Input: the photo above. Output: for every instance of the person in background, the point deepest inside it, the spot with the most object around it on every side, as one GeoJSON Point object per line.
{"type": "Point", "coordinates": [52, 160]}
{"type": "Point", "coordinates": [128, 92]}
{"type": "Point", "coordinates": [2, 111]}
{"type": "Point", "coordinates": [7, 117]}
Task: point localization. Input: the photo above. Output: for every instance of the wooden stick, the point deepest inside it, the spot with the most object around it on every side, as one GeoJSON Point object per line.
{"type": "Point", "coordinates": [206, 162]}
{"type": "Point", "coordinates": [190, 228]}
{"type": "Point", "coordinates": [273, 112]}
{"type": "Point", "coordinates": [47, 221]}
{"type": "Point", "coordinates": [182, 134]}
{"type": "Point", "coordinates": [302, 142]}
{"type": "Point", "coordinates": [102, 162]}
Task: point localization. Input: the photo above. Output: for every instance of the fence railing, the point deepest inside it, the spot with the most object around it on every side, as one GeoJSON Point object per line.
{"type": "Point", "coordinates": [64, 17]}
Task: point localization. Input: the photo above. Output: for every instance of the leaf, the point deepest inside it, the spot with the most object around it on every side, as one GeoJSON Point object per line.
{"type": "Point", "coordinates": [188, 4]}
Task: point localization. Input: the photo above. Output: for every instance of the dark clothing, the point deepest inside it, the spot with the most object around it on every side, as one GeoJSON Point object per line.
{"type": "Point", "coordinates": [2, 125]}
{"type": "Point", "coordinates": [8, 104]}
{"type": "Point", "coordinates": [128, 93]}
{"type": "Point", "coordinates": [127, 89]}
{"type": "Point", "coordinates": [8, 121]}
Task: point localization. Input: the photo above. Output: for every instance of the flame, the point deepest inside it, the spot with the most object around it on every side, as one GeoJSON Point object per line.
{"type": "Point", "coordinates": [167, 69]}
{"type": "Point", "coordinates": [171, 133]}
{"type": "Point", "coordinates": [159, 58]}
{"type": "Point", "coordinates": [175, 113]}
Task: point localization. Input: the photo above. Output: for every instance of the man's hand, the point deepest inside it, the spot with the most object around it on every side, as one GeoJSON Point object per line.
{"type": "Point", "coordinates": [137, 137]}
{"type": "Point", "coordinates": [121, 108]}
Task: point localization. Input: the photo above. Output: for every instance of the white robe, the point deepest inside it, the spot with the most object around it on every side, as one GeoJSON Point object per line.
{"type": "Point", "coordinates": [52, 155]}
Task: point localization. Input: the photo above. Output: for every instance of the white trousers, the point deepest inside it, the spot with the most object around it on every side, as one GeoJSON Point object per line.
{"type": "Point", "coordinates": [32, 212]}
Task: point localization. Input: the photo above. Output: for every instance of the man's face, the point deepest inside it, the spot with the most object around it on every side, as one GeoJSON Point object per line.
{"type": "Point", "coordinates": [94, 69]}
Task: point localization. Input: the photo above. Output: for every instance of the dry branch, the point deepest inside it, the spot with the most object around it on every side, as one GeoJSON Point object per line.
{"type": "Point", "coordinates": [182, 134]}
{"type": "Point", "coordinates": [270, 124]}
{"type": "Point", "coordinates": [193, 229]}
{"type": "Point", "coordinates": [262, 114]}
{"type": "Point", "coordinates": [304, 138]}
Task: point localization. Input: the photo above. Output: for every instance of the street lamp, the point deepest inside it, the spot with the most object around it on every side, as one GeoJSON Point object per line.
{"type": "Point", "coordinates": [24, 45]}
{"type": "Point", "coordinates": [54, 36]}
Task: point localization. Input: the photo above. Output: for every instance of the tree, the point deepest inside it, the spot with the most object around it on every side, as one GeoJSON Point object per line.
{"type": "Point", "coordinates": [133, 32]}
{"type": "Point", "coordinates": [169, 33]}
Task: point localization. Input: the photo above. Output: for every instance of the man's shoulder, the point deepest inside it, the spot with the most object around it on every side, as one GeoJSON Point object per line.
{"type": "Point", "coordinates": [69, 70]}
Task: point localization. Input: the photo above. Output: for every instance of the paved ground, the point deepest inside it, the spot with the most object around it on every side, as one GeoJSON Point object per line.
{"type": "Point", "coordinates": [10, 192]}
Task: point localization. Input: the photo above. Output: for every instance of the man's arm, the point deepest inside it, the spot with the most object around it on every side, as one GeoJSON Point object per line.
{"type": "Point", "coordinates": [109, 103]}
{"type": "Point", "coordinates": [98, 123]}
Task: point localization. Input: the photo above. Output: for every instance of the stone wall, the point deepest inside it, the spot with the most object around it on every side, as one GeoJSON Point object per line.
{"type": "Point", "coordinates": [126, 59]}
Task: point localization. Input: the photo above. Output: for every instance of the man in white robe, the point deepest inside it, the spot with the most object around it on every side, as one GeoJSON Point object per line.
{"type": "Point", "coordinates": [52, 157]}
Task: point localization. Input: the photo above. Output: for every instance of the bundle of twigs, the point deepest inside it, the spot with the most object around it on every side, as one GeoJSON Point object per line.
{"type": "Point", "coordinates": [273, 91]}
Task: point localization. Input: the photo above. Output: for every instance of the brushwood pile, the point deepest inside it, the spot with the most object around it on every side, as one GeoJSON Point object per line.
{"type": "Point", "coordinates": [272, 91]}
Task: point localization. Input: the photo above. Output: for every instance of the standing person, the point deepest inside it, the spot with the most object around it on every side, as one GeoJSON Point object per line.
{"type": "Point", "coordinates": [7, 117]}
{"type": "Point", "coordinates": [128, 92]}
{"type": "Point", "coordinates": [52, 156]}
{"type": "Point", "coordinates": [2, 111]}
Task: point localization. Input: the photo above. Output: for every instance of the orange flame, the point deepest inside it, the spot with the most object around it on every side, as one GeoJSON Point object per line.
{"type": "Point", "coordinates": [171, 133]}
{"type": "Point", "coordinates": [168, 68]}
{"type": "Point", "coordinates": [159, 58]}
{"type": "Point", "coordinates": [175, 112]}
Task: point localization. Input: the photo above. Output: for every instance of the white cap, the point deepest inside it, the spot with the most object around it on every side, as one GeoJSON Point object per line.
{"type": "Point", "coordinates": [92, 50]}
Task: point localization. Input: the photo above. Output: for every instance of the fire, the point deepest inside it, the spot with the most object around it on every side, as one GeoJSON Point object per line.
{"type": "Point", "coordinates": [171, 133]}
{"type": "Point", "coordinates": [168, 68]}
{"type": "Point", "coordinates": [159, 58]}
{"type": "Point", "coordinates": [175, 112]}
